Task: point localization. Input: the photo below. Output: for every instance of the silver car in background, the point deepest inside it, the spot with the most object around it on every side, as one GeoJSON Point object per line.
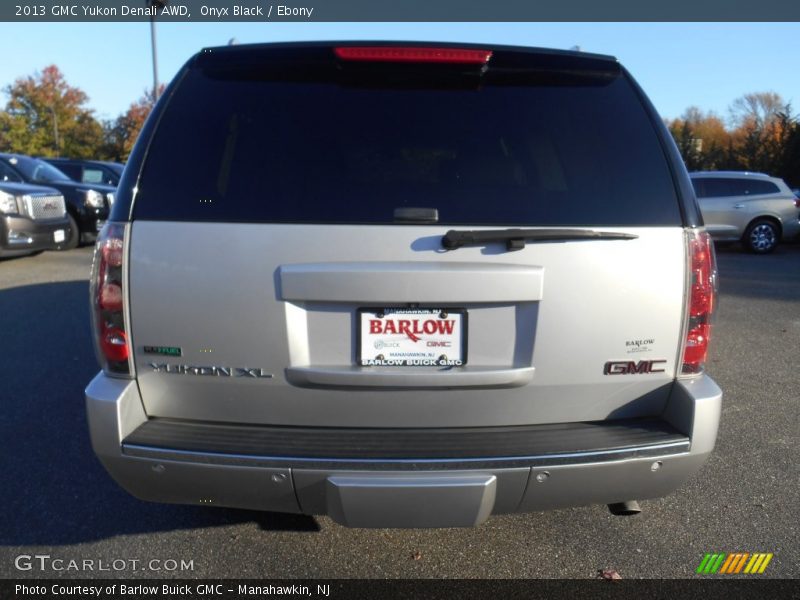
{"type": "Point", "coordinates": [755, 208]}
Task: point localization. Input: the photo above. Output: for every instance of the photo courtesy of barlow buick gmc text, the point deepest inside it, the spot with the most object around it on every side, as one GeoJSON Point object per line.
{"type": "Point", "coordinates": [416, 300]}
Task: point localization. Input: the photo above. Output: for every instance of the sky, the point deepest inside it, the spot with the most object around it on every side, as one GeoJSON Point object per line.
{"type": "Point", "coordinates": [707, 65]}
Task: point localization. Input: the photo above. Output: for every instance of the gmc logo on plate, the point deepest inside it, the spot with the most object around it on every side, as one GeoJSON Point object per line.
{"type": "Point", "coordinates": [628, 367]}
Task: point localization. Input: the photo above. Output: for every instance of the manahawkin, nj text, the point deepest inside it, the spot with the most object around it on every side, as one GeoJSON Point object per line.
{"type": "Point", "coordinates": [169, 590]}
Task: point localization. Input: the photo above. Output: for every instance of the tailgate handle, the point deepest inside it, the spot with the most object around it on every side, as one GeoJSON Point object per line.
{"type": "Point", "coordinates": [369, 282]}
{"type": "Point", "coordinates": [405, 378]}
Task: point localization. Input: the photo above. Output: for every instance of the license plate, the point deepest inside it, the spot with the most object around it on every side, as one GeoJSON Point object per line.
{"type": "Point", "coordinates": [411, 337]}
{"type": "Point", "coordinates": [59, 236]}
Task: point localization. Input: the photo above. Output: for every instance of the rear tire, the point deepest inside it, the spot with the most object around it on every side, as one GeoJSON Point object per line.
{"type": "Point", "coordinates": [762, 236]}
{"type": "Point", "coordinates": [74, 237]}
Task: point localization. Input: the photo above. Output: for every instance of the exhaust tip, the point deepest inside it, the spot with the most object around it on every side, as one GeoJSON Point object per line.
{"type": "Point", "coordinates": [625, 509]}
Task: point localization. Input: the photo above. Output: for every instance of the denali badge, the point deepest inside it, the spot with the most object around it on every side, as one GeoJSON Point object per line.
{"type": "Point", "coordinates": [628, 367]}
{"type": "Point", "coordinates": [213, 371]}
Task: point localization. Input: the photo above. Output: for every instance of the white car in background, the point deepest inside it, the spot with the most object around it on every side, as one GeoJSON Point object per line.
{"type": "Point", "coordinates": [753, 208]}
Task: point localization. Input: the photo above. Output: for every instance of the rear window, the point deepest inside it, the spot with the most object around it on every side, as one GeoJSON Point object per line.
{"type": "Point", "coordinates": [248, 149]}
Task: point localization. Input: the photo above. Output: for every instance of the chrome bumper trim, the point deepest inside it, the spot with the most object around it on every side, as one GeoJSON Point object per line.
{"type": "Point", "coordinates": [500, 462]}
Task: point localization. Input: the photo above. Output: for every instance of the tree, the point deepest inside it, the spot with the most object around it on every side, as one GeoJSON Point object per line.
{"type": "Point", "coordinates": [121, 134]}
{"type": "Point", "coordinates": [758, 109]}
{"type": "Point", "coordinates": [46, 116]}
{"type": "Point", "coordinates": [763, 124]}
{"type": "Point", "coordinates": [687, 144]}
{"type": "Point", "coordinates": [790, 170]}
{"type": "Point", "coordinates": [764, 135]}
{"type": "Point", "coordinates": [701, 138]}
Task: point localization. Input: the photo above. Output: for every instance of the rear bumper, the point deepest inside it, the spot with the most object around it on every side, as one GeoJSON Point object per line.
{"type": "Point", "coordinates": [401, 478]}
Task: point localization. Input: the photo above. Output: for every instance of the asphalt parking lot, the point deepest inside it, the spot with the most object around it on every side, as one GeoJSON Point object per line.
{"type": "Point", "coordinates": [56, 499]}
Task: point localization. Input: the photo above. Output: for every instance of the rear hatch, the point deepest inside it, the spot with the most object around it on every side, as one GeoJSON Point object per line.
{"type": "Point", "coordinates": [287, 263]}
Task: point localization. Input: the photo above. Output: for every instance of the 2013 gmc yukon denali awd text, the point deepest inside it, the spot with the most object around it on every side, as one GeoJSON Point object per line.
{"type": "Point", "coordinates": [403, 285]}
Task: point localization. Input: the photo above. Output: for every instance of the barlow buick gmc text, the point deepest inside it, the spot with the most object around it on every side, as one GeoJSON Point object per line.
{"type": "Point", "coordinates": [403, 285]}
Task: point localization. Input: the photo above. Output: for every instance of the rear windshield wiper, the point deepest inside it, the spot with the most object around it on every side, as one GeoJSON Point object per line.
{"type": "Point", "coordinates": [515, 238]}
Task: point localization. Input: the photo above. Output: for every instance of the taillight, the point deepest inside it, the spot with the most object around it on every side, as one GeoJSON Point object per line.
{"type": "Point", "coordinates": [701, 301]}
{"type": "Point", "coordinates": [797, 202]}
{"type": "Point", "coordinates": [107, 289]}
{"type": "Point", "coordinates": [414, 54]}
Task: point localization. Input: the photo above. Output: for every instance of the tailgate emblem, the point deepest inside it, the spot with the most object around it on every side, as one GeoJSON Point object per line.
{"type": "Point", "coordinates": [210, 370]}
{"type": "Point", "coordinates": [628, 367]}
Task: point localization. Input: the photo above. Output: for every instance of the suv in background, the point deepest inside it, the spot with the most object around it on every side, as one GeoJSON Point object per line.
{"type": "Point", "coordinates": [753, 208]}
{"type": "Point", "coordinates": [449, 281]}
{"type": "Point", "coordinates": [89, 171]}
{"type": "Point", "coordinates": [87, 204]}
{"type": "Point", "coordinates": [32, 218]}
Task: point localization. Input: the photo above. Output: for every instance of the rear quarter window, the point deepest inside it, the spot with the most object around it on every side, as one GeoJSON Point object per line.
{"type": "Point", "coordinates": [248, 149]}
{"type": "Point", "coordinates": [761, 187]}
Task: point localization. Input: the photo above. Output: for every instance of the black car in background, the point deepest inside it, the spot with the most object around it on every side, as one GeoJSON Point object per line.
{"type": "Point", "coordinates": [32, 218]}
{"type": "Point", "coordinates": [87, 204]}
{"type": "Point", "coordinates": [89, 171]}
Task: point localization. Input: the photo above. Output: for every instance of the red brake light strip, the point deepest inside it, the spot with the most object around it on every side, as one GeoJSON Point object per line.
{"type": "Point", "coordinates": [413, 54]}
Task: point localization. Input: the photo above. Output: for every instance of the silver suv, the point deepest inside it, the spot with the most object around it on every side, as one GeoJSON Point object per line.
{"type": "Point", "coordinates": [403, 285]}
{"type": "Point", "coordinates": [755, 208]}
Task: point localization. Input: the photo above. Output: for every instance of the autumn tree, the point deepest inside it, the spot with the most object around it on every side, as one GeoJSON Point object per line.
{"type": "Point", "coordinates": [701, 138]}
{"type": "Point", "coordinates": [762, 135]}
{"type": "Point", "coordinates": [46, 116]}
{"type": "Point", "coordinates": [121, 133]}
{"type": "Point", "coordinates": [763, 124]}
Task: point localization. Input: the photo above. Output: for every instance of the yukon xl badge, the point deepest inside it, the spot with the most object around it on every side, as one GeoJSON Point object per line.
{"type": "Point", "coordinates": [629, 367]}
{"type": "Point", "coordinates": [210, 370]}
